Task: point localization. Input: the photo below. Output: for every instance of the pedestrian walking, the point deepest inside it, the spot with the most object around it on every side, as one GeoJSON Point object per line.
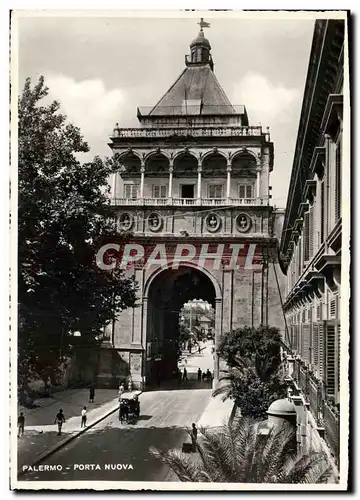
{"type": "Point", "coordinates": [194, 436]}
{"type": "Point", "coordinates": [121, 390]}
{"type": "Point", "coordinates": [185, 375]}
{"type": "Point", "coordinates": [60, 420]}
{"type": "Point", "coordinates": [83, 417]}
{"type": "Point", "coordinates": [21, 424]}
{"type": "Point", "coordinates": [130, 384]}
{"type": "Point", "coordinates": [199, 375]}
{"type": "Point", "coordinates": [179, 376]}
{"type": "Point", "coordinates": [208, 375]}
{"type": "Point", "coordinates": [199, 350]}
{"type": "Point", "coordinates": [91, 394]}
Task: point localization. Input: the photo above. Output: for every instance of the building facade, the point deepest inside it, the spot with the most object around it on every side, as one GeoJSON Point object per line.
{"type": "Point", "coordinates": [196, 174]}
{"type": "Point", "coordinates": [311, 243]}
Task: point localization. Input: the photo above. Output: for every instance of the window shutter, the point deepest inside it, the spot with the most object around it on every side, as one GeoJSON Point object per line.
{"type": "Point", "coordinates": [300, 264]}
{"type": "Point", "coordinates": [130, 190]}
{"type": "Point", "coordinates": [163, 191]}
{"type": "Point", "coordinates": [338, 181]}
{"type": "Point", "coordinates": [306, 343]}
{"type": "Point", "coordinates": [318, 312]}
{"type": "Point", "coordinates": [333, 308]}
{"type": "Point", "coordinates": [248, 191]}
{"type": "Point", "coordinates": [242, 193]}
{"type": "Point", "coordinates": [337, 389]}
{"type": "Point", "coordinates": [321, 346]}
{"type": "Point", "coordinates": [316, 345]}
{"type": "Point", "coordinates": [322, 212]}
{"type": "Point", "coordinates": [330, 359]}
{"type": "Point", "coordinates": [296, 338]}
{"type": "Point", "coordinates": [311, 232]}
{"type": "Point", "coordinates": [306, 237]}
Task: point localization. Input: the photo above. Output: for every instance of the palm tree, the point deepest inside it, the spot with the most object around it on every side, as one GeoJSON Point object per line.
{"type": "Point", "coordinates": [239, 453]}
{"type": "Point", "coordinates": [241, 369]}
{"type": "Point", "coordinates": [253, 395]}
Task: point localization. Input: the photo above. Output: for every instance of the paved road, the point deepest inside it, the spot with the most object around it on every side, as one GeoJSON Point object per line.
{"type": "Point", "coordinates": [203, 360]}
{"type": "Point", "coordinates": [164, 417]}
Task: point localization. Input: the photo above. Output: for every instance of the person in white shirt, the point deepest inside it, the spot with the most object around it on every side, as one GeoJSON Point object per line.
{"type": "Point", "coordinates": [83, 417]}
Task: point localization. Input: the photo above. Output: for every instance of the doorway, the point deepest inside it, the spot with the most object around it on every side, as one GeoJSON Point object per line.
{"type": "Point", "coordinates": [188, 191]}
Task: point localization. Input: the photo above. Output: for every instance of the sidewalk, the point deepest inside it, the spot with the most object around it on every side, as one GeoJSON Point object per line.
{"type": "Point", "coordinates": [216, 413]}
{"type": "Point", "coordinates": [71, 401]}
{"type": "Point", "coordinates": [43, 439]}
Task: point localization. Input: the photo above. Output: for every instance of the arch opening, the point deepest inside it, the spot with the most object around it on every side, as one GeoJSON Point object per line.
{"type": "Point", "coordinates": [131, 165]}
{"type": "Point", "coordinates": [168, 293]}
{"type": "Point", "coordinates": [156, 164]}
{"type": "Point", "coordinates": [243, 165]}
{"type": "Point", "coordinates": [214, 165]}
{"type": "Point", "coordinates": [185, 165]}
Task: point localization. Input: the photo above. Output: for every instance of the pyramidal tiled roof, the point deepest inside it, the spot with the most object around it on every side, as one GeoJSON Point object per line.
{"type": "Point", "coordinates": [196, 91]}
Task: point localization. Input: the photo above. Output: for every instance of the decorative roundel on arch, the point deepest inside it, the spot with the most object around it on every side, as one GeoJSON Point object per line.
{"type": "Point", "coordinates": [126, 221]}
{"type": "Point", "coordinates": [155, 222]}
{"type": "Point", "coordinates": [243, 223]}
{"type": "Point", "coordinates": [212, 222]}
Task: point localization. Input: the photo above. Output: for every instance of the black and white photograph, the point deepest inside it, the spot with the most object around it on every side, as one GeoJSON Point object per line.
{"type": "Point", "coordinates": [180, 219]}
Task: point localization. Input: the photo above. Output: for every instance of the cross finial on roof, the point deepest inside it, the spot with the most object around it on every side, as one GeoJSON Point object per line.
{"type": "Point", "coordinates": [203, 24]}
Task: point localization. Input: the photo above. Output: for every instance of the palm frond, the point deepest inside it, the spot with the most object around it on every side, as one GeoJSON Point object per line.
{"type": "Point", "coordinates": [238, 453]}
{"type": "Point", "coordinates": [179, 463]}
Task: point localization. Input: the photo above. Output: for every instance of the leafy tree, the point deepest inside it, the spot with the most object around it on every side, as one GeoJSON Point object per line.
{"type": "Point", "coordinates": [253, 379]}
{"type": "Point", "coordinates": [62, 217]}
{"type": "Point", "coordinates": [260, 345]}
{"type": "Point", "coordinates": [238, 453]}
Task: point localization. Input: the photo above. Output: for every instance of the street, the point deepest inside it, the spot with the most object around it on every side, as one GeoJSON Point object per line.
{"type": "Point", "coordinates": [120, 452]}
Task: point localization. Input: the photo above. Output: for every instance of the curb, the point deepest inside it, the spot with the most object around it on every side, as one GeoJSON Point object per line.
{"type": "Point", "coordinates": [67, 440]}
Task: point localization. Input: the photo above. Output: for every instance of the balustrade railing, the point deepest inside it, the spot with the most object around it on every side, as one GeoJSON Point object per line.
{"type": "Point", "coordinates": [208, 202]}
{"type": "Point", "coordinates": [303, 380]}
{"type": "Point", "coordinates": [188, 132]}
{"type": "Point", "coordinates": [325, 415]}
{"type": "Point", "coordinates": [314, 399]}
{"type": "Point", "coordinates": [331, 421]}
{"type": "Point", "coordinates": [184, 201]}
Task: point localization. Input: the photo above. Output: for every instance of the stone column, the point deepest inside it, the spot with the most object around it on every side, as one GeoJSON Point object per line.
{"type": "Point", "coordinates": [171, 170]}
{"type": "Point", "coordinates": [218, 306]}
{"type": "Point", "coordinates": [258, 173]}
{"type": "Point", "coordinates": [142, 172]}
{"type": "Point", "coordinates": [228, 181]}
{"type": "Point", "coordinates": [143, 338]}
{"type": "Point", "coordinates": [114, 186]}
{"type": "Point", "coordinates": [199, 170]}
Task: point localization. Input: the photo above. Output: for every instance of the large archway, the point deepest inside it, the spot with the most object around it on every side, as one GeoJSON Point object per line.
{"type": "Point", "coordinates": [167, 293]}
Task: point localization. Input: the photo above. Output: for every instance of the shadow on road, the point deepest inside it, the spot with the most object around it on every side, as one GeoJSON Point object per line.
{"type": "Point", "coordinates": [113, 450]}
{"type": "Point", "coordinates": [175, 385]}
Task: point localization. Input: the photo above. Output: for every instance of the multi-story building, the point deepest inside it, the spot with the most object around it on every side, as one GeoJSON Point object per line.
{"type": "Point", "coordinates": [311, 243]}
{"type": "Point", "coordinates": [193, 173]}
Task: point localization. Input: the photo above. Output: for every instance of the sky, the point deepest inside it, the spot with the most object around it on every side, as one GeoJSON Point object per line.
{"type": "Point", "coordinates": [101, 68]}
